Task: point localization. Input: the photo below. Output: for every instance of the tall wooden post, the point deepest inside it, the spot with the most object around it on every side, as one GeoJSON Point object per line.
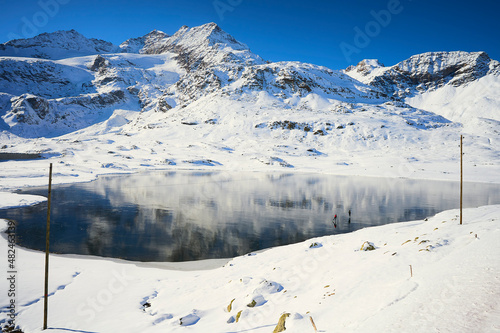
{"type": "Point", "coordinates": [461, 175]}
{"type": "Point", "coordinates": [47, 243]}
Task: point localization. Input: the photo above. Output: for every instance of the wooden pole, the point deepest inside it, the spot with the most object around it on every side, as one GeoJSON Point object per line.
{"type": "Point", "coordinates": [314, 325]}
{"type": "Point", "coordinates": [47, 243]}
{"type": "Point", "coordinates": [461, 175]}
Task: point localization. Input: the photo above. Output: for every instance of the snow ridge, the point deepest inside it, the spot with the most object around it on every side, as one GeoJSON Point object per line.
{"type": "Point", "coordinates": [426, 71]}
{"type": "Point", "coordinates": [56, 45]}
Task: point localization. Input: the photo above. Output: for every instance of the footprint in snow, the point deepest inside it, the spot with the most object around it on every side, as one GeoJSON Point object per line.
{"type": "Point", "coordinates": [268, 287]}
{"type": "Point", "coordinates": [162, 318]}
{"type": "Point", "coordinates": [61, 287]}
{"type": "Point", "coordinates": [146, 303]}
{"type": "Point", "coordinates": [189, 320]}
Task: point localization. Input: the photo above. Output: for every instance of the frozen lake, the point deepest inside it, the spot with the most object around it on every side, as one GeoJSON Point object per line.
{"type": "Point", "coordinates": [186, 215]}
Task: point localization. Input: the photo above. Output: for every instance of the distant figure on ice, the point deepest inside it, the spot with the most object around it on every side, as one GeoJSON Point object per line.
{"type": "Point", "coordinates": [349, 216]}
{"type": "Point", "coordinates": [335, 221]}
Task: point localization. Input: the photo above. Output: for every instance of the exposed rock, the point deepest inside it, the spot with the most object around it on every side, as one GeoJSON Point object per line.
{"type": "Point", "coordinates": [366, 66]}
{"type": "Point", "coordinates": [30, 109]}
{"type": "Point", "coordinates": [280, 327]}
{"type": "Point", "coordinates": [163, 106]}
{"type": "Point", "coordinates": [99, 65]}
{"type": "Point", "coordinates": [367, 246]}
{"type": "Point", "coordinates": [144, 43]}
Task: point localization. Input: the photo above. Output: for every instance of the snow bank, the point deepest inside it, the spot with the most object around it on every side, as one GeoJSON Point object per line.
{"type": "Point", "coordinates": [9, 200]}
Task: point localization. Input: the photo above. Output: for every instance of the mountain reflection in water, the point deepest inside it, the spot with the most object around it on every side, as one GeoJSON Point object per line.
{"type": "Point", "coordinates": [181, 216]}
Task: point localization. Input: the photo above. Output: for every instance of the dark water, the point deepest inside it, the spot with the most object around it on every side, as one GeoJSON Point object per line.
{"type": "Point", "coordinates": [180, 216]}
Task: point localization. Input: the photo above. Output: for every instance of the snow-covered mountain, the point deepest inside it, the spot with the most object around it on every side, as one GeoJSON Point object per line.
{"type": "Point", "coordinates": [203, 46]}
{"type": "Point", "coordinates": [56, 45]}
{"type": "Point", "coordinates": [458, 85]}
{"type": "Point", "coordinates": [201, 87]}
{"type": "Point", "coordinates": [153, 72]}
{"type": "Point", "coordinates": [427, 71]}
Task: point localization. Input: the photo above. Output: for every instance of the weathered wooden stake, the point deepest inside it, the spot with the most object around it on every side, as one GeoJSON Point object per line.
{"type": "Point", "coordinates": [314, 325]}
{"type": "Point", "coordinates": [47, 242]}
{"type": "Point", "coordinates": [411, 271]}
{"type": "Point", "coordinates": [461, 176]}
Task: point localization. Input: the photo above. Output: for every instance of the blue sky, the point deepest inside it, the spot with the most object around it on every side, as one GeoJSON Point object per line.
{"type": "Point", "coordinates": [331, 33]}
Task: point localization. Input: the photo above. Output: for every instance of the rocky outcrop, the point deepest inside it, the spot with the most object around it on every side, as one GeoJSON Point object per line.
{"type": "Point", "coordinates": [99, 65]}
{"type": "Point", "coordinates": [426, 71]}
{"type": "Point", "coordinates": [43, 78]}
{"type": "Point", "coordinates": [143, 44]}
{"type": "Point", "coordinates": [29, 109]}
{"type": "Point", "coordinates": [365, 67]}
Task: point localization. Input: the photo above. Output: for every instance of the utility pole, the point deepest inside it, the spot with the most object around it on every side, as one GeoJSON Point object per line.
{"type": "Point", "coordinates": [47, 243]}
{"type": "Point", "coordinates": [461, 175]}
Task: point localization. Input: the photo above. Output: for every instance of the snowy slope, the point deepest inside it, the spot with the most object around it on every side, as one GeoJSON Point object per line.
{"type": "Point", "coordinates": [465, 103]}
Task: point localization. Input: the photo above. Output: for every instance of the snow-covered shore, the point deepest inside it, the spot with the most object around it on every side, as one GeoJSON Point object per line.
{"type": "Point", "coordinates": [421, 276]}
{"type": "Point", "coordinates": [10, 200]}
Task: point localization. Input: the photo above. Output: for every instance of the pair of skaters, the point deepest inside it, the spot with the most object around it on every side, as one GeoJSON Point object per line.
{"type": "Point", "coordinates": [335, 219]}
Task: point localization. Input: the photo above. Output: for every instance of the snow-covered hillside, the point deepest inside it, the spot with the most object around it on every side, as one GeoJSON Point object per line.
{"type": "Point", "coordinates": [162, 101]}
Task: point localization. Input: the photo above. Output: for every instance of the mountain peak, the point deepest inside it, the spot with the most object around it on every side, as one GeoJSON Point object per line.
{"type": "Point", "coordinates": [435, 62]}
{"type": "Point", "coordinates": [366, 66]}
{"type": "Point", "coordinates": [155, 33]}
{"type": "Point", "coordinates": [211, 25]}
{"type": "Point", "coordinates": [56, 45]}
{"type": "Point", "coordinates": [206, 34]}
{"type": "Point", "coordinates": [205, 44]}
{"type": "Point", "coordinates": [455, 67]}
{"type": "Point", "coordinates": [142, 44]}
{"type": "Point", "coordinates": [49, 36]}
{"type": "Point", "coordinates": [206, 28]}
